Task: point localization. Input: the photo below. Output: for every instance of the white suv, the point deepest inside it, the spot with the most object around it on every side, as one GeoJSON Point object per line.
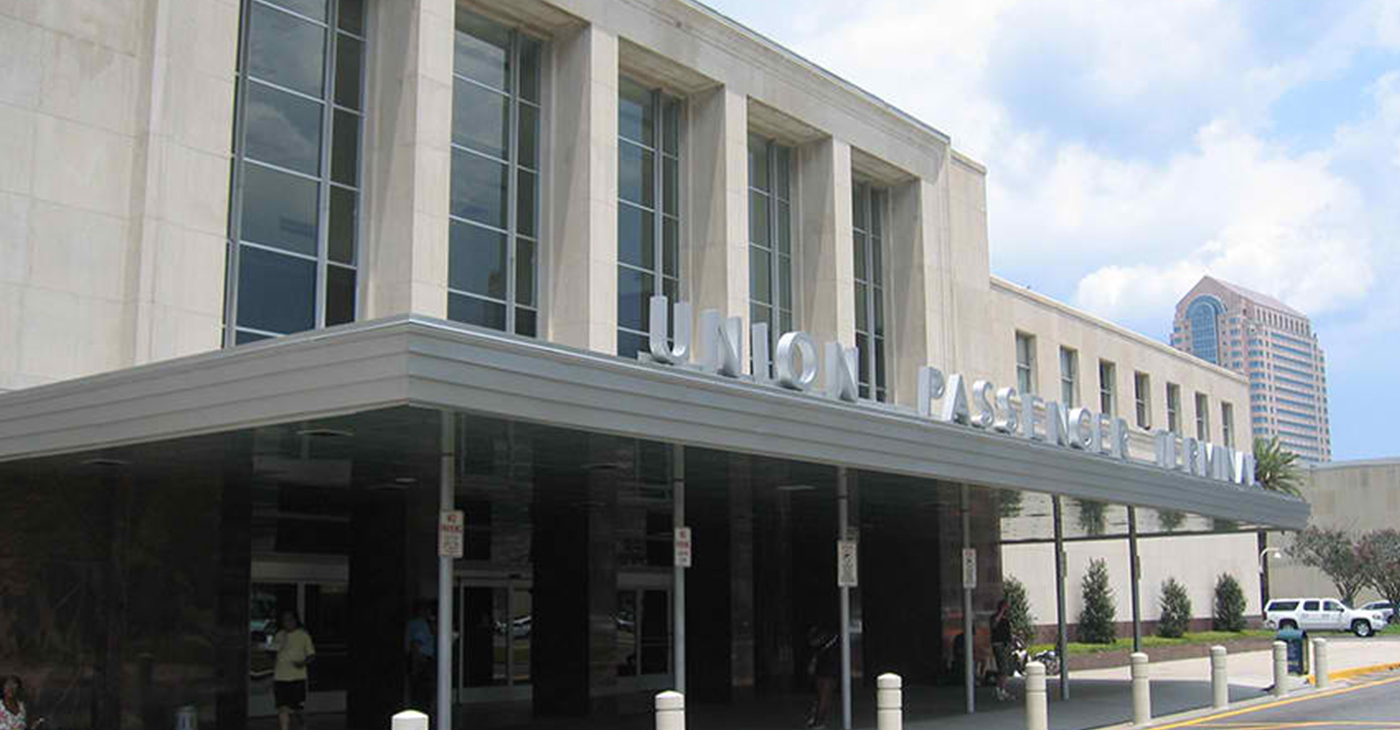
{"type": "Point", "coordinates": [1321, 614]}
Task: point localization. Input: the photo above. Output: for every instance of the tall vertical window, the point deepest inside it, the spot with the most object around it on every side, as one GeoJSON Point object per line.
{"type": "Point", "coordinates": [1108, 388]}
{"type": "Point", "coordinates": [493, 233]}
{"type": "Point", "coordinates": [648, 209]}
{"type": "Point", "coordinates": [1227, 423]}
{"type": "Point", "coordinates": [1202, 417]}
{"type": "Point", "coordinates": [1204, 313]}
{"type": "Point", "coordinates": [867, 214]}
{"type": "Point", "coordinates": [1174, 408]}
{"type": "Point", "coordinates": [1142, 397]}
{"type": "Point", "coordinates": [293, 218]}
{"type": "Point", "coordinates": [770, 237]}
{"type": "Point", "coordinates": [1069, 376]}
{"type": "Point", "coordinates": [1025, 363]}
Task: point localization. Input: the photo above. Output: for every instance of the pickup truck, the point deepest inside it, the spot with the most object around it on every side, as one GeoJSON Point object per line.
{"type": "Point", "coordinates": [1321, 614]}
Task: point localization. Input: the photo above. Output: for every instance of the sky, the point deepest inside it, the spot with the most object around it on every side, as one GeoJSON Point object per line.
{"type": "Point", "coordinates": [1133, 147]}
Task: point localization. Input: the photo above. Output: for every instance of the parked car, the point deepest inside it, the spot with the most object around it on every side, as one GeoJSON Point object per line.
{"type": "Point", "coordinates": [1386, 609]}
{"type": "Point", "coordinates": [1321, 614]}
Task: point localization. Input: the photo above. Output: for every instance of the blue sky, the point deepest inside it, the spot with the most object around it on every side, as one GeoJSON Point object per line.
{"type": "Point", "coordinates": [1133, 147]}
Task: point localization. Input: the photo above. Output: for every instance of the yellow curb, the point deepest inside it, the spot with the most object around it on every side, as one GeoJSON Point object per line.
{"type": "Point", "coordinates": [1355, 671]}
{"type": "Point", "coordinates": [1277, 703]}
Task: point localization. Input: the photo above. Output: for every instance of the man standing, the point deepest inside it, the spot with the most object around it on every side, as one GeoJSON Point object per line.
{"type": "Point", "coordinates": [294, 653]}
{"type": "Point", "coordinates": [420, 641]}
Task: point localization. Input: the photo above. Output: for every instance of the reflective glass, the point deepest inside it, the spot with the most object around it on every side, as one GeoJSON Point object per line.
{"type": "Point", "coordinates": [877, 263]}
{"type": "Point", "coordinates": [761, 314]}
{"type": "Point", "coordinates": [477, 260]}
{"type": "Point", "coordinates": [785, 322]}
{"type": "Point", "coordinates": [526, 323]}
{"type": "Point", "coordinates": [862, 300]}
{"type": "Point", "coordinates": [478, 189]}
{"type": "Point", "coordinates": [345, 149]}
{"type": "Point", "coordinates": [863, 356]}
{"type": "Point", "coordinates": [758, 163]}
{"type": "Point", "coordinates": [672, 185]}
{"type": "Point", "coordinates": [286, 50]}
{"type": "Point", "coordinates": [629, 344]}
{"type": "Point", "coordinates": [635, 118]}
{"type": "Point", "coordinates": [242, 337]}
{"type": "Point", "coordinates": [784, 228]}
{"type": "Point", "coordinates": [785, 282]}
{"type": "Point", "coordinates": [527, 146]}
{"type": "Point", "coordinates": [879, 312]}
{"type": "Point", "coordinates": [340, 295]}
{"type": "Point", "coordinates": [530, 52]}
{"type": "Point", "coordinates": [781, 173]}
{"type": "Point", "coordinates": [877, 206]}
{"type": "Point", "coordinates": [880, 364]}
{"type": "Point", "coordinates": [760, 276]}
{"type": "Point", "coordinates": [279, 209]}
{"type": "Point", "coordinates": [758, 218]}
{"type": "Point", "coordinates": [310, 8]}
{"type": "Point", "coordinates": [859, 249]}
{"type": "Point", "coordinates": [276, 292]}
{"type": "Point", "coordinates": [670, 246]}
{"type": "Point", "coordinates": [480, 119]}
{"type": "Point", "coordinates": [462, 308]}
{"type": "Point", "coordinates": [341, 231]}
{"type": "Point", "coordinates": [349, 56]}
{"type": "Point", "coordinates": [634, 292]}
{"type": "Point", "coordinates": [524, 271]}
{"type": "Point", "coordinates": [351, 16]}
{"type": "Point", "coordinates": [482, 51]}
{"type": "Point", "coordinates": [282, 129]}
{"type": "Point", "coordinates": [636, 236]}
{"type": "Point", "coordinates": [636, 175]}
{"type": "Point", "coordinates": [858, 206]}
{"type": "Point", "coordinates": [671, 128]}
{"type": "Point", "coordinates": [526, 212]}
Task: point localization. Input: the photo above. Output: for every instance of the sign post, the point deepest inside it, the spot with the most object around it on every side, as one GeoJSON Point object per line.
{"type": "Point", "coordinates": [847, 564]}
{"type": "Point", "coordinates": [451, 533]}
{"type": "Point", "coordinates": [969, 568]}
{"type": "Point", "coordinates": [683, 547]}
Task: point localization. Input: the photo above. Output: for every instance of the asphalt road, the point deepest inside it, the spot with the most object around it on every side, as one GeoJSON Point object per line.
{"type": "Point", "coordinates": [1364, 703]}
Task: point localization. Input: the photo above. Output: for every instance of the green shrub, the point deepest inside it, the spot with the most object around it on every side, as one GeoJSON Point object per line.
{"type": "Point", "coordinates": [1176, 610]}
{"type": "Point", "coordinates": [1229, 604]}
{"type": "Point", "coordinates": [1096, 625]}
{"type": "Point", "coordinates": [1018, 609]}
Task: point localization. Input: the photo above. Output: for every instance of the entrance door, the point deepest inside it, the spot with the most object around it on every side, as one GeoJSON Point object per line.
{"type": "Point", "coordinates": [491, 661]}
{"type": "Point", "coordinates": [317, 592]}
{"type": "Point", "coordinates": [644, 636]}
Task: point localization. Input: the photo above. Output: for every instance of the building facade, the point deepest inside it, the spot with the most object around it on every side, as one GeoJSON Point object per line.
{"type": "Point", "coordinates": [285, 281]}
{"type": "Point", "coordinates": [1275, 347]}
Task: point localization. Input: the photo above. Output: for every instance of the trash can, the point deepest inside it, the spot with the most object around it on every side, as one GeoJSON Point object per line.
{"type": "Point", "coordinates": [1297, 649]}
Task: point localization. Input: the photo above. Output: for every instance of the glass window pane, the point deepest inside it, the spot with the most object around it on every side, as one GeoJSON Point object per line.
{"type": "Point", "coordinates": [672, 128]}
{"type": "Point", "coordinates": [760, 276]}
{"type": "Point", "coordinates": [761, 314]}
{"type": "Point", "coordinates": [242, 337]}
{"type": "Point", "coordinates": [758, 218]}
{"type": "Point", "coordinates": [858, 206]}
{"type": "Point", "coordinates": [879, 295]}
{"type": "Point", "coordinates": [480, 119]}
{"type": "Point", "coordinates": [478, 189]}
{"type": "Point", "coordinates": [530, 52]}
{"type": "Point", "coordinates": [462, 308]}
{"type": "Point", "coordinates": [527, 150]}
{"type": "Point", "coordinates": [629, 344]}
{"type": "Point", "coordinates": [634, 292]}
{"type": "Point", "coordinates": [340, 295]}
{"type": "Point", "coordinates": [341, 233]}
{"type": "Point", "coordinates": [859, 248]}
{"type": "Point", "coordinates": [477, 260]}
{"type": "Point", "coordinates": [279, 209]}
{"type": "Point", "coordinates": [276, 292]}
{"type": "Point", "coordinates": [351, 16]}
{"type": "Point", "coordinates": [877, 263]}
{"type": "Point", "coordinates": [636, 175]}
{"type": "Point", "coordinates": [784, 228]}
{"type": "Point", "coordinates": [636, 236]}
{"type": "Point", "coordinates": [526, 322]}
{"type": "Point", "coordinates": [671, 185]}
{"type": "Point", "coordinates": [345, 149]}
{"type": "Point", "coordinates": [785, 323]}
{"type": "Point", "coordinates": [670, 246]}
{"type": "Point", "coordinates": [784, 282]}
{"type": "Point", "coordinates": [524, 271]}
{"type": "Point", "coordinates": [781, 173]}
{"type": "Point", "coordinates": [862, 316]}
{"type": "Point", "coordinates": [863, 357]}
{"type": "Point", "coordinates": [286, 50]}
{"type": "Point", "coordinates": [526, 203]}
{"type": "Point", "coordinates": [310, 8]}
{"type": "Point", "coordinates": [349, 56]}
{"type": "Point", "coordinates": [635, 117]}
{"type": "Point", "coordinates": [758, 163]}
{"type": "Point", "coordinates": [880, 363]}
{"type": "Point", "coordinates": [672, 289]}
{"type": "Point", "coordinates": [482, 51]}
{"type": "Point", "coordinates": [282, 129]}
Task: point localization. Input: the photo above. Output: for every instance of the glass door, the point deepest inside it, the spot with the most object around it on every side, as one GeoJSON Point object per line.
{"type": "Point", "coordinates": [644, 633]}
{"type": "Point", "coordinates": [317, 593]}
{"type": "Point", "coordinates": [491, 661]}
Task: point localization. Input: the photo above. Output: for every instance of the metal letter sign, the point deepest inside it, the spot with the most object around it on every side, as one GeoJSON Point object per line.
{"type": "Point", "coordinates": [451, 530]}
{"type": "Point", "coordinates": [969, 565]}
{"type": "Point", "coordinates": [683, 547]}
{"type": "Point", "coordinates": [847, 562]}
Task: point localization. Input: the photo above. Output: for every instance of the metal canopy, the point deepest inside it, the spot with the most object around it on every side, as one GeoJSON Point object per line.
{"type": "Point", "coordinates": [421, 361]}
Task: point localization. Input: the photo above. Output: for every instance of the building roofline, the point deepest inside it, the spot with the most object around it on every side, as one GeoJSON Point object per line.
{"type": "Point", "coordinates": [1381, 461]}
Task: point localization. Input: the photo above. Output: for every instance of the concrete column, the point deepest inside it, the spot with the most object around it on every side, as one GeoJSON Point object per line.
{"type": "Point", "coordinates": [670, 711]}
{"type": "Point", "coordinates": [409, 720]}
{"type": "Point", "coordinates": [1280, 669]}
{"type": "Point", "coordinates": [720, 216]}
{"type": "Point", "coordinates": [581, 302]}
{"type": "Point", "coordinates": [1037, 712]}
{"type": "Point", "coordinates": [919, 272]}
{"type": "Point", "coordinates": [1320, 663]}
{"type": "Point", "coordinates": [408, 156]}
{"type": "Point", "coordinates": [827, 295]}
{"type": "Point", "coordinates": [1142, 690]}
{"type": "Point", "coordinates": [889, 702]}
{"type": "Point", "coordinates": [1219, 678]}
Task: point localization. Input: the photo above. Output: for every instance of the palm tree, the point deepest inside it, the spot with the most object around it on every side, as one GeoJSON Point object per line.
{"type": "Point", "coordinates": [1277, 471]}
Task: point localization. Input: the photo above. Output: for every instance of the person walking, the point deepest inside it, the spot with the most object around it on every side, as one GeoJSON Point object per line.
{"type": "Point", "coordinates": [825, 669]}
{"type": "Point", "coordinates": [1001, 646]}
{"type": "Point", "coordinates": [13, 715]}
{"type": "Point", "coordinates": [295, 652]}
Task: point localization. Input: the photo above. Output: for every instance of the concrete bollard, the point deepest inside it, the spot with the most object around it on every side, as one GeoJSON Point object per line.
{"type": "Point", "coordinates": [1320, 667]}
{"type": "Point", "coordinates": [1037, 715]}
{"type": "Point", "coordinates": [1142, 690]}
{"type": "Point", "coordinates": [1219, 678]}
{"type": "Point", "coordinates": [409, 720]}
{"type": "Point", "coordinates": [1280, 669]}
{"type": "Point", "coordinates": [889, 702]}
{"type": "Point", "coordinates": [670, 711]}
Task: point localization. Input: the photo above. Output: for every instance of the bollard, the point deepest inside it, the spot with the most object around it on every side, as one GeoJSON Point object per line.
{"type": "Point", "coordinates": [1142, 690]}
{"type": "Point", "coordinates": [1219, 678]}
{"type": "Point", "coordinates": [1320, 667]}
{"type": "Point", "coordinates": [409, 720]}
{"type": "Point", "coordinates": [889, 702]}
{"type": "Point", "coordinates": [1280, 669]}
{"type": "Point", "coordinates": [1037, 716]}
{"type": "Point", "coordinates": [670, 711]}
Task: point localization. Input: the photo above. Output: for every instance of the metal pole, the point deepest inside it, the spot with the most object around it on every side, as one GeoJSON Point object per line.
{"type": "Point", "coordinates": [447, 500]}
{"type": "Point", "coordinates": [678, 572]}
{"type": "Point", "coordinates": [969, 675]}
{"type": "Point", "coordinates": [1135, 571]}
{"type": "Point", "coordinates": [1061, 637]}
{"type": "Point", "coordinates": [843, 498]}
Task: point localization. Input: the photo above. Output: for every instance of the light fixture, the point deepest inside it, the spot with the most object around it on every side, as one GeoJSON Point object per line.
{"type": "Point", "coordinates": [405, 480]}
{"type": "Point", "coordinates": [106, 461]}
{"type": "Point", "coordinates": [324, 432]}
{"type": "Point", "coordinates": [796, 488]}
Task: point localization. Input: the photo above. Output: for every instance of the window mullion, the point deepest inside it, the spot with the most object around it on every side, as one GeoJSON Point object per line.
{"type": "Point", "coordinates": [512, 179]}
{"type": "Point", "coordinates": [236, 185]}
{"type": "Point", "coordinates": [323, 188]}
{"type": "Point", "coordinates": [659, 191]}
{"type": "Point", "coordinates": [773, 246]}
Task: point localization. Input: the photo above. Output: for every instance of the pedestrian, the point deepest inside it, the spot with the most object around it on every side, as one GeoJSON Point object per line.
{"type": "Point", "coordinates": [1001, 646]}
{"type": "Point", "coordinates": [13, 715]}
{"type": "Point", "coordinates": [295, 652]}
{"type": "Point", "coordinates": [420, 643]}
{"type": "Point", "coordinates": [824, 668]}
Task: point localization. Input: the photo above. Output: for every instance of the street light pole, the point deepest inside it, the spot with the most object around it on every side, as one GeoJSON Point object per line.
{"type": "Point", "coordinates": [1264, 576]}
